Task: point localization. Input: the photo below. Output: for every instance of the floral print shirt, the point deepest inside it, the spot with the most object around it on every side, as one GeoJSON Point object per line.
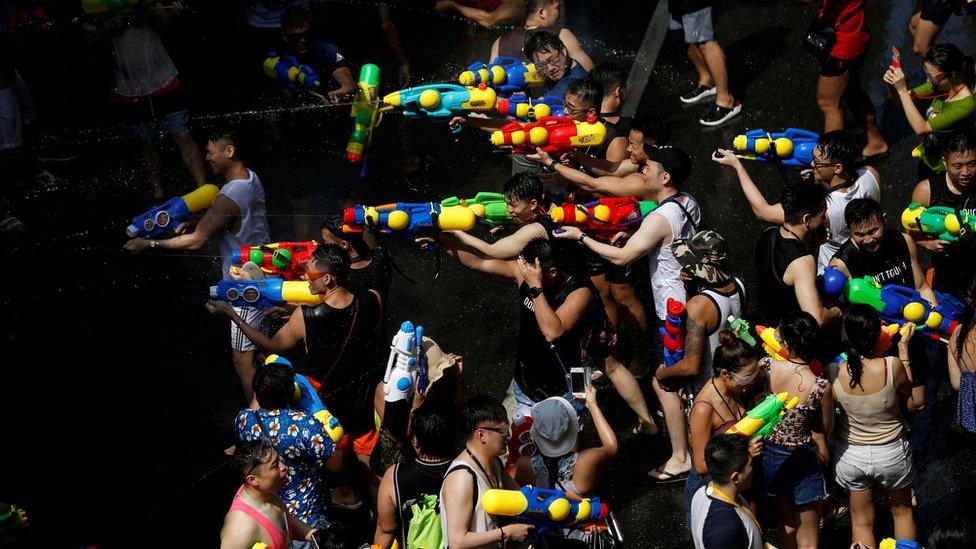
{"type": "Point", "coordinates": [794, 429]}
{"type": "Point", "coordinates": [304, 447]}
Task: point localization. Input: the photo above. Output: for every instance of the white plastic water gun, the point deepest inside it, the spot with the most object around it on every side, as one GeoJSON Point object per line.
{"type": "Point", "coordinates": [406, 368]}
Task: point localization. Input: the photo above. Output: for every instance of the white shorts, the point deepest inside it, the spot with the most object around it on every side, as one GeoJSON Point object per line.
{"type": "Point", "coordinates": [255, 318]}
{"type": "Point", "coordinates": [861, 467]}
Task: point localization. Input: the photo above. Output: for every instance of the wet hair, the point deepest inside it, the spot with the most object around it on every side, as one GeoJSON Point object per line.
{"type": "Point", "coordinates": [802, 333]}
{"type": "Point", "coordinates": [968, 321]}
{"type": "Point", "coordinates": [540, 249]}
{"type": "Point", "coordinates": [733, 354]}
{"type": "Point", "coordinates": [228, 138]}
{"type": "Point", "coordinates": [334, 226]}
{"type": "Point", "coordinates": [334, 259]}
{"type": "Point", "coordinates": [859, 331]}
{"type": "Point", "coordinates": [294, 16]}
{"type": "Point", "coordinates": [588, 90]}
{"type": "Point", "coordinates": [839, 148]}
{"type": "Point", "coordinates": [433, 430]}
{"type": "Point", "coordinates": [250, 454]}
{"type": "Point", "coordinates": [952, 531]}
{"type": "Point", "coordinates": [273, 385]}
{"type": "Point", "coordinates": [802, 199]}
{"type": "Point", "coordinates": [960, 142]}
{"type": "Point", "coordinates": [948, 59]}
{"type": "Point", "coordinates": [726, 454]}
{"type": "Point", "coordinates": [541, 42]}
{"type": "Point", "coordinates": [655, 130]}
{"type": "Point", "coordinates": [609, 76]}
{"type": "Point", "coordinates": [524, 187]}
{"type": "Point", "coordinates": [483, 409]}
{"type": "Point", "coordinates": [861, 210]}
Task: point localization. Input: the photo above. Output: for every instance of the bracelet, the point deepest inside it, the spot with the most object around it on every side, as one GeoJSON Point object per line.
{"type": "Point", "coordinates": [552, 165]}
{"type": "Point", "coordinates": [906, 363]}
{"type": "Point", "coordinates": [501, 542]}
{"type": "Point", "coordinates": [580, 240]}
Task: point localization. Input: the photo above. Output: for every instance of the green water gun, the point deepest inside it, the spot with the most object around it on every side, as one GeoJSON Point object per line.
{"type": "Point", "coordinates": [488, 207]}
{"type": "Point", "coordinates": [740, 328]}
{"type": "Point", "coordinates": [761, 420]}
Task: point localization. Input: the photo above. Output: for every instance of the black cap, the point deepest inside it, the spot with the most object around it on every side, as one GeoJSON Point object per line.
{"type": "Point", "coordinates": [675, 161]}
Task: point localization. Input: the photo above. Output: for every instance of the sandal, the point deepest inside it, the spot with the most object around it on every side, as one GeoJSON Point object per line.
{"type": "Point", "coordinates": [659, 475]}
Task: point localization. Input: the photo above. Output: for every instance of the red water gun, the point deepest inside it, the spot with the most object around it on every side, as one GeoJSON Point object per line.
{"type": "Point", "coordinates": [605, 217]}
{"type": "Point", "coordinates": [553, 134]}
{"type": "Point", "coordinates": [284, 259]}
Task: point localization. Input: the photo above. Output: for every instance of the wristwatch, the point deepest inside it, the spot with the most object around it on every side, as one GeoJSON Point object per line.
{"type": "Point", "coordinates": [535, 292]}
{"type": "Point", "coordinates": [552, 165]}
{"type": "Point", "coordinates": [153, 243]}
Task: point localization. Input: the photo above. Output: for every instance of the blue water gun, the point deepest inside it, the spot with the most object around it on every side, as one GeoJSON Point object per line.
{"type": "Point", "coordinates": [505, 74]}
{"type": "Point", "coordinates": [289, 71]}
{"type": "Point", "coordinates": [407, 217]}
{"type": "Point", "coordinates": [168, 215]}
{"type": "Point", "coordinates": [441, 102]}
{"type": "Point", "coordinates": [307, 400]}
{"type": "Point", "coordinates": [268, 292]}
{"type": "Point", "coordinates": [524, 109]}
{"type": "Point", "coordinates": [792, 147]}
{"type": "Point", "coordinates": [891, 543]}
{"type": "Point", "coordinates": [545, 508]}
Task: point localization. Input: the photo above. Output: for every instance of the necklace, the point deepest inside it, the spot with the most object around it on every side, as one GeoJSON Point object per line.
{"type": "Point", "coordinates": [722, 496]}
{"type": "Point", "coordinates": [488, 478]}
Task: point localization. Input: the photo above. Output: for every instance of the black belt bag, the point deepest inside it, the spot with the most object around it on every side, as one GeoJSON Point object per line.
{"type": "Point", "coordinates": [820, 38]}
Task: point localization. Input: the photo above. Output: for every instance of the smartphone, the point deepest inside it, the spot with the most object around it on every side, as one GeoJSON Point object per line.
{"type": "Point", "coordinates": [580, 378]}
{"type": "Point", "coordinates": [895, 58]}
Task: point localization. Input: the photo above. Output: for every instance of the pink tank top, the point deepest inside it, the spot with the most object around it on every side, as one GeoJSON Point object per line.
{"type": "Point", "coordinates": [279, 539]}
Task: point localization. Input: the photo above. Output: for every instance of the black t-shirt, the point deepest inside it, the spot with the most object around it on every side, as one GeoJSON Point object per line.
{"type": "Point", "coordinates": [955, 268]}
{"type": "Point", "coordinates": [569, 256]}
{"type": "Point", "coordinates": [773, 255]}
{"type": "Point", "coordinates": [723, 529]}
{"type": "Point", "coordinates": [412, 480]}
{"type": "Point", "coordinates": [539, 369]}
{"type": "Point", "coordinates": [891, 264]}
{"type": "Point", "coordinates": [342, 346]}
{"type": "Point", "coordinates": [375, 276]}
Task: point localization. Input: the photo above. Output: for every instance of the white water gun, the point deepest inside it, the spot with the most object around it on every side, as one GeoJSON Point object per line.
{"type": "Point", "coordinates": [406, 367]}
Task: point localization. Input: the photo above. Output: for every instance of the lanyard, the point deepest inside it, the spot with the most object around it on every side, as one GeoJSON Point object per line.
{"type": "Point", "coordinates": [722, 496]}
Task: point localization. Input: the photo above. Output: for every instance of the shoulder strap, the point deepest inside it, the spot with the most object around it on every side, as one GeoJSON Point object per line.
{"type": "Point", "coordinates": [474, 478]}
{"type": "Point", "coordinates": [674, 198]}
{"type": "Point", "coordinates": [342, 349]}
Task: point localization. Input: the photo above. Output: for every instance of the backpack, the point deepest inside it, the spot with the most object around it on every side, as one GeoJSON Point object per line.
{"type": "Point", "coordinates": [424, 529]}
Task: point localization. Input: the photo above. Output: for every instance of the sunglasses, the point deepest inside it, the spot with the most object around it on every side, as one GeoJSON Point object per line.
{"type": "Point", "coordinates": [505, 433]}
{"type": "Point", "coordinates": [934, 77]}
{"type": "Point", "coordinates": [313, 275]}
{"type": "Point", "coordinates": [296, 37]}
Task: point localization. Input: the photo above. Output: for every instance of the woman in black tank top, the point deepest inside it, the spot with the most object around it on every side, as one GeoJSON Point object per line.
{"type": "Point", "coordinates": [773, 255]}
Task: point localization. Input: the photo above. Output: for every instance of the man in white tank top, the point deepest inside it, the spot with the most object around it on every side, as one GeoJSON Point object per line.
{"type": "Point", "coordinates": [677, 216]}
{"type": "Point", "coordinates": [833, 168]}
{"type": "Point", "coordinates": [239, 217]}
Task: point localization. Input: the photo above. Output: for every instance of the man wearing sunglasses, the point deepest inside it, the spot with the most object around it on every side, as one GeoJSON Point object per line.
{"type": "Point", "coordinates": [325, 59]}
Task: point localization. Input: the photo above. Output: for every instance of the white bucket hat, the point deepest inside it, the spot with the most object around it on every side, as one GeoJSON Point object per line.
{"type": "Point", "coordinates": [555, 426]}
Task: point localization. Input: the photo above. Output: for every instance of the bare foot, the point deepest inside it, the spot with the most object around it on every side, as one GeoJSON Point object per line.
{"type": "Point", "coordinates": [231, 450]}
{"type": "Point", "coordinates": [650, 429]}
{"type": "Point", "coordinates": [874, 149]}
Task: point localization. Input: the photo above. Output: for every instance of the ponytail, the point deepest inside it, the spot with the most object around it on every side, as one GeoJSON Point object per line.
{"type": "Point", "coordinates": [859, 331]}
{"type": "Point", "coordinates": [802, 333]}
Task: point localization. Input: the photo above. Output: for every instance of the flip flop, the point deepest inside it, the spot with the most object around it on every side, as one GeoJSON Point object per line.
{"type": "Point", "coordinates": [665, 477]}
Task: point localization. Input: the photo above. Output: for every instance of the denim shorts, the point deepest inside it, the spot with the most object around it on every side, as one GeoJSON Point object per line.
{"type": "Point", "coordinates": [697, 26]}
{"type": "Point", "coordinates": [794, 475]}
{"type": "Point", "coordinates": [861, 467]}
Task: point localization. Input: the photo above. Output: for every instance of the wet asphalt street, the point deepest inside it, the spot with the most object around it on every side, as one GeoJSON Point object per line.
{"type": "Point", "coordinates": [116, 374]}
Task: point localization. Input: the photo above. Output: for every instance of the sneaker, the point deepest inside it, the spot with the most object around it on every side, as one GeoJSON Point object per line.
{"type": "Point", "coordinates": [697, 94]}
{"type": "Point", "coordinates": [720, 114]}
{"type": "Point", "coordinates": [11, 225]}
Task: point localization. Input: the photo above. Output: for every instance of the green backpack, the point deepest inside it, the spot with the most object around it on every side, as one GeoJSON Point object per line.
{"type": "Point", "coordinates": [424, 530]}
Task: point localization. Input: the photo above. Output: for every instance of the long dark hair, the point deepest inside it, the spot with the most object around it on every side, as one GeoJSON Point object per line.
{"type": "Point", "coordinates": [968, 321]}
{"type": "Point", "coordinates": [859, 331]}
{"type": "Point", "coordinates": [802, 333]}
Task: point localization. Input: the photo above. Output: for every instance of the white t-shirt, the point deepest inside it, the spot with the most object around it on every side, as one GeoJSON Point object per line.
{"type": "Point", "coordinates": [248, 194]}
{"type": "Point", "coordinates": [142, 65]}
{"type": "Point", "coordinates": [665, 269]}
{"type": "Point", "coordinates": [865, 186]}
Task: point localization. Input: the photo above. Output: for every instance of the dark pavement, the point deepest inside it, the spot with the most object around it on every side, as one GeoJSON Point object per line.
{"type": "Point", "coordinates": [116, 375]}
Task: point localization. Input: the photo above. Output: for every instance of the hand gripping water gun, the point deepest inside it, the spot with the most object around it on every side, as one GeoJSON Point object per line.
{"type": "Point", "coordinates": [762, 419]}
{"type": "Point", "coordinates": [289, 71]}
{"type": "Point", "coordinates": [441, 102]}
{"type": "Point", "coordinates": [11, 517]}
{"type": "Point", "coordinates": [793, 147]}
{"type": "Point", "coordinates": [264, 293]}
{"type": "Point", "coordinates": [95, 7]}
{"type": "Point", "coordinates": [740, 328]}
{"type": "Point", "coordinates": [891, 543]}
{"type": "Point", "coordinates": [488, 207]}
{"type": "Point", "coordinates": [604, 217]}
{"type": "Point", "coordinates": [365, 112]}
{"type": "Point", "coordinates": [673, 332]}
{"type": "Point", "coordinates": [546, 509]}
{"type": "Point", "coordinates": [406, 370]}
{"type": "Point", "coordinates": [770, 344]}
{"type": "Point", "coordinates": [521, 443]}
{"type": "Point", "coordinates": [506, 75]}
{"type": "Point", "coordinates": [898, 305]}
{"type": "Point", "coordinates": [307, 399]}
{"type": "Point", "coordinates": [524, 109]}
{"type": "Point", "coordinates": [940, 221]}
{"type": "Point", "coordinates": [171, 213]}
{"type": "Point", "coordinates": [284, 259]}
{"type": "Point", "coordinates": [554, 134]}
{"type": "Point", "coordinates": [408, 217]}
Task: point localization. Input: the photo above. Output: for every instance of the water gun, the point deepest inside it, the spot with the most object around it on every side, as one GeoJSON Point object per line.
{"type": "Point", "coordinates": [11, 517]}
{"type": "Point", "coordinates": [269, 292]}
{"type": "Point", "coordinates": [289, 71]}
{"type": "Point", "coordinates": [406, 364]}
{"type": "Point", "coordinates": [524, 109]}
{"type": "Point", "coordinates": [171, 213]}
{"type": "Point", "coordinates": [770, 344]}
{"type": "Point", "coordinates": [895, 58]}
{"type": "Point", "coordinates": [741, 330]}
{"type": "Point", "coordinates": [441, 102]}
{"type": "Point", "coordinates": [792, 147]}
{"type": "Point", "coordinates": [604, 217]}
{"type": "Point", "coordinates": [545, 508]}
{"type": "Point", "coordinates": [407, 217]}
{"type": "Point", "coordinates": [488, 207]}
{"type": "Point", "coordinates": [944, 223]}
{"type": "Point", "coordinates": [506, 75]}
{"type": "Point", "coordinates": [365, 112]}
{"type": "Point", "coordinates": [762, 419]}
{"type": "Point", "coordinates": [95, 7]}
{"type": "Point", "coordinates": [899, 305]}
{"type": "Point", "coordinates": [284, 259]}
{"type": "Point", "coordinates": [307, 399]}
{"type": "Point", "coordinates": [554, 134]}
{"type": "Point", "coordinates": [885, 339]}
{"type": "Point", "coordinates": [891, 543]}
{"type": "Point", "coordinates": [673, 332]}
{"type": "Point", "coordinates": [521, 443]}
{"type": "Point", "coordinates": [14, 17]}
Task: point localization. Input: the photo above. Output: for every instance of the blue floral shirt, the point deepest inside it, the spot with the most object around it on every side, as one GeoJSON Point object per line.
{"type": "Point", "coordinates": [304, 447]}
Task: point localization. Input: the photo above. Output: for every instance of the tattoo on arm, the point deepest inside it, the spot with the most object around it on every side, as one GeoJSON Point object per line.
{"type": "Point", "coordinates": [694, 337]}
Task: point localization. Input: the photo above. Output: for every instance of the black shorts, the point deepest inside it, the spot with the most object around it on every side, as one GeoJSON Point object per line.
{"type": "Point", "coordinates": [596, 265]}
{"type": "Point", "coordinates": [939, 11]}
{"type": "Point", "coordinates": [837, 67]}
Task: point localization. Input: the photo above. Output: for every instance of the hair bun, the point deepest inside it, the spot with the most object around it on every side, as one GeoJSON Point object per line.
{"type": "Point", "coordinates": [727, 337]}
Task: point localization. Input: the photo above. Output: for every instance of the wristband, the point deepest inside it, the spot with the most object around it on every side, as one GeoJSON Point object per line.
{"type": "Point", "coordinates": [552, 165]}
{"type": "Point", "coordinates": [581, 238]}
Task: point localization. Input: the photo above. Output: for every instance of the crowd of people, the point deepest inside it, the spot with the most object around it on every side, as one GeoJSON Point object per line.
{"type": "Point", "coordinates": [419, 469]}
